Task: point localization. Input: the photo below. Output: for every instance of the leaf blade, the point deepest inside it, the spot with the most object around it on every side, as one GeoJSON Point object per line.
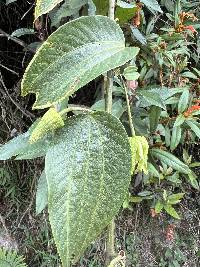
{"type": "Point", "coordinates": [79, 195]}
{"type": "Point", "coordinates": [88, 46]}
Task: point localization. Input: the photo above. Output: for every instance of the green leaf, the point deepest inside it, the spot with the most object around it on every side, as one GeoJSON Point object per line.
{"type": "Point", "coordinates": [124, 4]}
{"type": "Point", "coordinates": [189, 74]}
{"type": "Point", "coordinates": [86, 183]}
{"type": "Point", "coordinates": [175, 138]}
{"type": "Point", "coordinates": [10, 1]}
{"type": "Point", "coordinates": [193, 180]}
{"type": "Point", "coordinates": [124, 15]}
{"type": "Point", "coordinates": [44, 6]}
{"type": "Point", "coordinates": [175, 198]}
{"type": "Point", "coordinates": [14, 146]}
{"type": "Point", "coordinates": [151, 99]}
{"type": "Point", "coordinates": [22, 31]}
{"type": "Point", "coordinates": [154, 117]}
{"type": "Point", "coordinates": [167, 136]}
{"type": "Point", "coordinates": [152, 5]}
{"type": "Point", "coordinates": [68, 8]}
{"type": "Point", "coordinates": [179, 120]}
{"type": "Point", "coordinates": [170, 160]}
{"type": "Point", "coordinates": [152, 170]}
{"type": "Point", "coordinates": [101, 7]}
{"type": "Point", "coordinates": [75, 54]}
{"type": "Point", "coordinates": [194, 127]}
{"type": "Point", "coordinates": [159, 206]}
{"type": "Point", "coordinates": [9, 257]}
{"type": "Point", "coordinates": [171, 211]}
{"type": "Point", "coordinates": [51, 121]}
{"type": "Point", "coordinates": [183, 102]}
{"type": "Point", "coordinates": [117, 107]}
{"type": "Point", "coordinates": [41, 194]}
{"type": "Point", "coordinates": [131, 74]}
{"type": "Point", "coordinates": [135, 199]}
{"type": "Point", "coordinates": [138, 35]}
{"type": "Point", "coordinates": [20, 147]}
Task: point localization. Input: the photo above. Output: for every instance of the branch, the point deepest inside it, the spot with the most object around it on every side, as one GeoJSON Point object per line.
{"type": "Point", "coordinates": [16, 40]}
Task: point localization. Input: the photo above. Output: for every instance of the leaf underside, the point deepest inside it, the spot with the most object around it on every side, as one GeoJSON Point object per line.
{"type": "Point", "coordinates": [88, 174]}
{"type": "Point", "coordinates": [75, 54]}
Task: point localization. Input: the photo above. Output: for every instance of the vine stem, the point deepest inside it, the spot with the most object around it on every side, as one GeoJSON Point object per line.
{"type": "Point", "coordinates": [110, 242]}
{"type": "Point", "coordinates": [129, 109]}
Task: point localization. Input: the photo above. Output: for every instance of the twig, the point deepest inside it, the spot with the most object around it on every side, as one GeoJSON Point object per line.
{"type": "Point", "coordinates": [16, 40]}
{"type": "Point", "coordinates": [9, 69]}
{"type": "Point", "coordinates": [129, 110]}
{"type": "Point", "coordinates": [25, 112]}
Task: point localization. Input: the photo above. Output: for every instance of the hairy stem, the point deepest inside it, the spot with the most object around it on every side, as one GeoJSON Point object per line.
{"type": "Point", "coordinates": [110, 242]}
{"type": "Point", "coordinates": [129, 110]}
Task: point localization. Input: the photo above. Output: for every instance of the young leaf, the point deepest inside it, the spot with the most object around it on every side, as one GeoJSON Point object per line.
{"type": "Point", "coordinates": [183, 102]}
{"type": "Point", "coordinates": [41, 194]}
{"type": "Point", "coordinates": [51, 121]}
{"type": "Point", "coordinates": [88, 174]}
{"type": "Point", "coordinates": [171, 211]}
{"type": "Point", "coordinates": [170, 160]}
{"type": "Point", "coordinates": [175, 138]}
{"type": "Point", "coordinates": [75, 54]}
{"type": "Point", "coordinates": [130, 73]}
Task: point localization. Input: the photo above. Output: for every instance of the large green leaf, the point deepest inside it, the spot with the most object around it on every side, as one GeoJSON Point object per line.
{"type": "Point", "coordinates": [170, 160]}
{"type": "Point", "coordinates": [44, 6]}
{"type": "Point", "coordinates": [20, 147]}
{"type": "Point", "coordinates": [72, 56]}
{"type": "Point", "coordinates": [88, 174]}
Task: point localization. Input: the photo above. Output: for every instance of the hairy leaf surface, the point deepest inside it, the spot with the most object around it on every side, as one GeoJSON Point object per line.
{"type": "Point", "coordinates": [42, 193]}
{"type": "Point", "coordinates": [51, 121]}
{"type": "Point", "coordinates": [44, 6]}
{"type": "Point", "coordinates": [20, 147]}
{"type": "Point", "coordinates": [74, 55]}
{"type": "Point", "coordinates": [88, 173]}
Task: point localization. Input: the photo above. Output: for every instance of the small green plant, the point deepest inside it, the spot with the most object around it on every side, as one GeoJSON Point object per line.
{"type": "Point", "coordinates": [9, 258]}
